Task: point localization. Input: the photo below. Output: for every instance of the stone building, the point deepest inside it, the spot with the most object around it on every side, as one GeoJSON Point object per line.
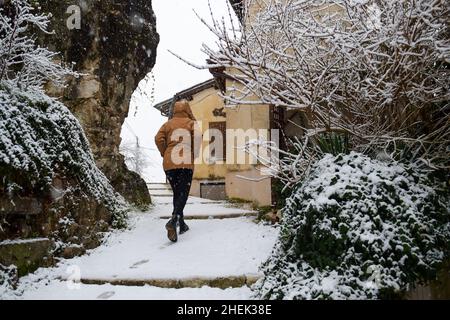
{"type": "Point", "coordinates": [225, 178]}
{"type": "Point", "coordinates": [219, 175]}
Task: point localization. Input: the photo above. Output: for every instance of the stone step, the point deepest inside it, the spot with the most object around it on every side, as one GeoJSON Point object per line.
{"type": "Point", "coordinates": [212, 250]}
{"type": "Point", "coordinates": [197, 282]}
{"type": "Point", "coordinates": [59, 290]}
{"type": "Point", "coordinates": [26, 254]}
{"type": "Point", "coordinates": [160, 192]}
{"type": "Point", "coordinates": [207, 210]}
{"type": "Point", "coordinates": [215, 216]}
{"type": "Point", "coordinates": [158, 185]}
{"type": "Point", "coordinates": [168, 202]}
{"type": "Point", "coordinates": [192, 200]}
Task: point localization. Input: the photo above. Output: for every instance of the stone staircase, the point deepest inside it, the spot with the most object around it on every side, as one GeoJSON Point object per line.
{"type": "Point", "coordinates": [219, 255]}
{"type": "Point", "coordinates": [223, 249]}
{"type": "Point", "coordinates": [214, 253]}
{"type": "Point", "coordinates": [159, 190]}
{"type": "Point", "coordinates": [197, 208]}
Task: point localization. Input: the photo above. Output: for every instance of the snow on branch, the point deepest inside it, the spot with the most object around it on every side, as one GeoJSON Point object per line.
{"type": "Point", "coordinates": [23, 63]}
{"type": "Point", "coordinates": [375, 70]}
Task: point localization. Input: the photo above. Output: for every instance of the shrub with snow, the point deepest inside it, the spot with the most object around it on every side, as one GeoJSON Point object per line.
{"type": "Point", "coordinates": [8, 279]}
{"type": "Point", "coordinates": [40, 138]}
{"type": "Point", "coordinates": [357, 228]}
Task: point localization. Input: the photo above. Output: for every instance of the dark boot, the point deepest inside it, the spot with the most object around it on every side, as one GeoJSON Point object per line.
{"type": "Point", "coordinates": [183, 226]}
{"type": "Point", "coordinates": [171, 227]}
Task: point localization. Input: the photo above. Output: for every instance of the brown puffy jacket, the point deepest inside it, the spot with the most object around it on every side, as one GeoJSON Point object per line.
{"type": "Point", "coordinates": [168, 138]}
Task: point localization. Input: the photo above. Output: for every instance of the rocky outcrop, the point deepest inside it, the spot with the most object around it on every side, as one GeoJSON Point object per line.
{"type": "Point", "coordinates": [114, 48]}
{"type": "Point", "coordinates": [52, 188]}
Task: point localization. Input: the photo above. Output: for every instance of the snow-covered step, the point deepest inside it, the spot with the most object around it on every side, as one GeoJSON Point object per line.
{"type": "Point", "coordinates": [141, 263]}
{"type": "Point", "coordinates": [196, 282]}
{"type": "Point", "coordinates": [201, 216]}
{"type": "Point", "coordinates": [205, 211]}
{"type": "Point", "coordinates": [168, 196]}
{"type": "Point", "coordinates": [157, 189]}
{"type": "Point", "coordinates": [59, 290]}
{"type": "Point", "coordinates": [161, 193]}
{"type": "Point", "coordinates": [211, 250]}
{"type": "Point", "coordinates": [198, 208]}
{"type": "Point", "coordinates": [191, 200]}
{"type": "Point", "coordinates": [158, 186]}
{"type": "Point", "coordinates": [168, 201]}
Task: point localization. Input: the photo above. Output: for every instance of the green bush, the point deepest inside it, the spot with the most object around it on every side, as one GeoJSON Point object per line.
{"type": "Point", "coordinates": [357, 228]}
{"type": "Point", "coordinates": [333, 143]}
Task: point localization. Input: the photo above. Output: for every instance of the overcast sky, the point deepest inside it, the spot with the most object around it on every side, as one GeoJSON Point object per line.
{"type": "Point", "coordinates": [181, 32]}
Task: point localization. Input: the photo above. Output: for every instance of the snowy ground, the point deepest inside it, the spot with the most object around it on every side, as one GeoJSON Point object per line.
{"type": "Point", "coordinates": [58, 290]}
{"type": "Point", "coordinates": [212, 249]}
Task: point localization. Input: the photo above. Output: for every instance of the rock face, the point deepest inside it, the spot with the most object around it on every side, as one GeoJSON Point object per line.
{"type": "Point", "coordinates": [50, 186]}
{"type": "Point", "coordinates": [115, 48]}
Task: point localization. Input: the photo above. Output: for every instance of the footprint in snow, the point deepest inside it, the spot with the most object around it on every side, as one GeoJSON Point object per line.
{"type": "Point", "coordinates": [106, 295]}
{"type": "Point", "coordinates": [168, 244]}
{"type": "Point", "coordinates": [139, 263]}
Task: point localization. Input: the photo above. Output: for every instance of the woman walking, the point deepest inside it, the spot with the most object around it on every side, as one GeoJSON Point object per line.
{"type": "Point", "coordinates": [176, 143]}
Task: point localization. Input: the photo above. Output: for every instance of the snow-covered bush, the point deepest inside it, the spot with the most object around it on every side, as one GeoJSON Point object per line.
{"type": "Point", "coordinates": [39, 138]}
{"type": "Point", "coordinates": [8, 279]}
{"type": "Point", "coordinates": [357, 228]}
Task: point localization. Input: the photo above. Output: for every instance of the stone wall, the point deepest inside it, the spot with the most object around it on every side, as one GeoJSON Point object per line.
{"type": "Point", "coordinates": [438, 289]}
